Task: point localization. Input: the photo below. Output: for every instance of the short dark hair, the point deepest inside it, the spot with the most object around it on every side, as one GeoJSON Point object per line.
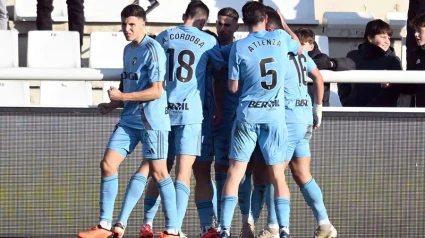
{"type": "Point", "coordinates": [197, 9]}
{"type": "Point", "coordinates": [274, 21]}
{"type": "Point", "coordinates": [229, 12]}
{"type": "Point", "coordinates": [377, 27]}
{"type": "Point", "coordinates": [253, 13]}
{"type": "Point", "coordinates": [133, 10]}
{"type": "Point", "coordinates": [418, 22]}
{"type": "Point", "coordinates": [305, 34]}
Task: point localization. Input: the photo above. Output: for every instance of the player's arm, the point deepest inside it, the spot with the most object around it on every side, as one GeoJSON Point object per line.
{"type": "Point", "coordinates": [291, 33]}
{"type": "Point", "coordinates": [216, 58]}
{"type": "Point", "coordinates": [318, 85]}
{"type": "Point", "coordinates": [105, 108]}
{"type": "Point", "coordinates": [155, 65]}
{"type": "Point", "coordinates": [234, 61]}
{"type": "Point", "coordinates": [149, 94]}
{"type": "Point", "coordinates": [218, 85]}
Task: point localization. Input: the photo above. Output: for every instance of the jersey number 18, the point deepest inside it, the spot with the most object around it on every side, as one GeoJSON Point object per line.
{"type": "Point", "coordinates": [182, 65]}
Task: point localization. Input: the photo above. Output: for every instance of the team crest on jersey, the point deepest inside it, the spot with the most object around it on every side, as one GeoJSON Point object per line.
{"type": "Point", "coordinates": [134, 60]}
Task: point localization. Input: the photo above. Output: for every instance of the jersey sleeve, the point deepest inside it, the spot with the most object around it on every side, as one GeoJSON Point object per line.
{"type": "Point", "coordinates": [234, 61]}
{"type": "Point", "coordinates": [160, 37]}
{"type": "Point", "coordinates": [155, 63]}
{"type": "Point", "coordinates": [310, 63]}
{"type": "Point", "coordinates": [215, 57]}
{"type": "Point", "coordinates": [293, 45]}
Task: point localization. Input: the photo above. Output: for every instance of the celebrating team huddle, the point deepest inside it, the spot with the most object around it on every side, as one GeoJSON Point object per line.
{"type": "Point", "coordinates": [191, 98]}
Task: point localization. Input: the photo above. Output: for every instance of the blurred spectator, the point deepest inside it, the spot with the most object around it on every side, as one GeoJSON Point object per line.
{"type": "Point", "coordinates": [75, 16]}
{"type": "Point", "coordinates": [418, 24]}
{"type": "Point", "coordinates": [323, 61]}
{"type": "Point", "coordinates": [4, 18]}
{"type": "Point", "coordinates": [375, 53]}
{"type": "Point", "coordinates": [416, 7]}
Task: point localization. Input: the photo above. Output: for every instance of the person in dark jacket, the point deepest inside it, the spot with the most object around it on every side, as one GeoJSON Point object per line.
{"type": "Point", "coordinates": [375, 53]}
{"type": "Point", "coordinates": [418, 24]}
{"type": "Point", "coordinates": [323, 61]}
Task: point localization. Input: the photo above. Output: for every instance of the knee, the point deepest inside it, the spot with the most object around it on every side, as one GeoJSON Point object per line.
{"type": "Point", "coordinates": [220, 168]}
{"type": "Point", "coordinates": [159, 175]}
{"type": "Point", "coordinates": [107, 168]}
{"type": "Point", "coordinates": [202, 175]}
{"type": "Point", "coordinates": [301, 177]}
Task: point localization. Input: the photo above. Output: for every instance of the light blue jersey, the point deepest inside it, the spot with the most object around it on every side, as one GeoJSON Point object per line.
{"type": "Point", "coordinates": [189, 50]}
{"type": "Point", "coordinates": [297, 100]}
{"type": "Point", "coordinates": [144, 65]}
{"type": "Point", "coordinates": [256, 61]}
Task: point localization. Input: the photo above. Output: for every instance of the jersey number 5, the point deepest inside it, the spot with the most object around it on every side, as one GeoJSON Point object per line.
{"type": "Point", "coordinates": [271, 72]}
{"type": "Point", "coordinates": [182, 65]}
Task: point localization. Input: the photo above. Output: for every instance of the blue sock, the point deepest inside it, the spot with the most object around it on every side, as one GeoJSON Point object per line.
{"type": "Point", "coordinates": [228, 204]}
{"type": "Point", "coordinates": [220, 179]}
{"type": "Point", "coordinates": [108, 193]}
{"type": "Point", "coordinates": [182, 197]}
{"type": "Point", "coordinates": [168, 195]}
{"type": "Point", "coordinates": [270, 203]}
{"type": "Point", "coordinates": [214, 198]}
{"type": "Point", "coordinates": [151, 205]}
{"type": "Point", "coordinates": [314, 198]}
{"type": "Point", "coordinates": [206, 212]}
{"type": "Point", "coordinates": [282, 211]}
{"type": "Point", "coordinates": [245, 191]}
{"type": "Point", "coordinates": [135, 189]}
{"type": "Point", "coordinates": [257, 201]}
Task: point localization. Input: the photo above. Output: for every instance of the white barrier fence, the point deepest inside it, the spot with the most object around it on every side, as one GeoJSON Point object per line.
{"type": "Point", "coordinates": [89, 74]}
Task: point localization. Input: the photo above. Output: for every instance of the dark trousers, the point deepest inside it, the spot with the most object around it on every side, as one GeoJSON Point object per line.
{"type": "Point", "coordinates": [75, 16]}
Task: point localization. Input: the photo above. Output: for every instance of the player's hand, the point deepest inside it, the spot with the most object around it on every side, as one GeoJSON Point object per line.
{"type": "Point", "coordinates": [114, 94]}
{"type": "Point", "coordinates": [217, 118]}
{"type": "Point", "coordinates": [104, 108]}
{"type": "Point", "coordinates": [317, 116]}
{"type": "Point", "coordinates": [282, 19]}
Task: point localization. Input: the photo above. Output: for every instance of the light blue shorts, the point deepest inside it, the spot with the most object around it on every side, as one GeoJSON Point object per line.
{"type": "Point", "coordinates": [272, 141]}
{"type": "Point", "coordinates": [124, 139]}
{"type": "Point", "coordinates": [299, 136]}
{"type": "Point", "coordinates": [185, 140]}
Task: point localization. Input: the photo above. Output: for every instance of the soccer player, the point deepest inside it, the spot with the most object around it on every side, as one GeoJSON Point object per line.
{"type": "Point", "coordinates": [143, 119]}
{"type": "Point", "coordinates": [257, 62]}
{"type": "Point", "coordinates": [189, 50]}
{"type": "Point", "coordinates": [300, 124]}
{"type": "Point", "coordinates": [205, 190]}
{"type": "Point", "coordinates": [226, 104]}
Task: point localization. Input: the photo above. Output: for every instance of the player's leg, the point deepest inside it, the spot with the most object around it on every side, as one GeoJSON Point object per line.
{"type": "Point", "coordinates": [188, 146]}
{"type": "Point", "coordinates": [221, 166]}
{"type": "Point", "coordinates": [245, 192]}
{"type": "Point", "coordinates": [158, 142]}
{"type": "Point", "coordinates": [152, 198]}
{"type": "Point", "coordinates": [300, 168]}
{"type": "Point", "coordinates": [135, 189]}
{"type": "Point", "coordinates": [244, 136]}
{"type": "Point", "coordinates": [203, 188]}
{"type": "Point", "coordinates": [262, 177]}
{"type": "Point", "coordinates": [273, 144]}
{"type": "Point", "coordinates": [121, 143]}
